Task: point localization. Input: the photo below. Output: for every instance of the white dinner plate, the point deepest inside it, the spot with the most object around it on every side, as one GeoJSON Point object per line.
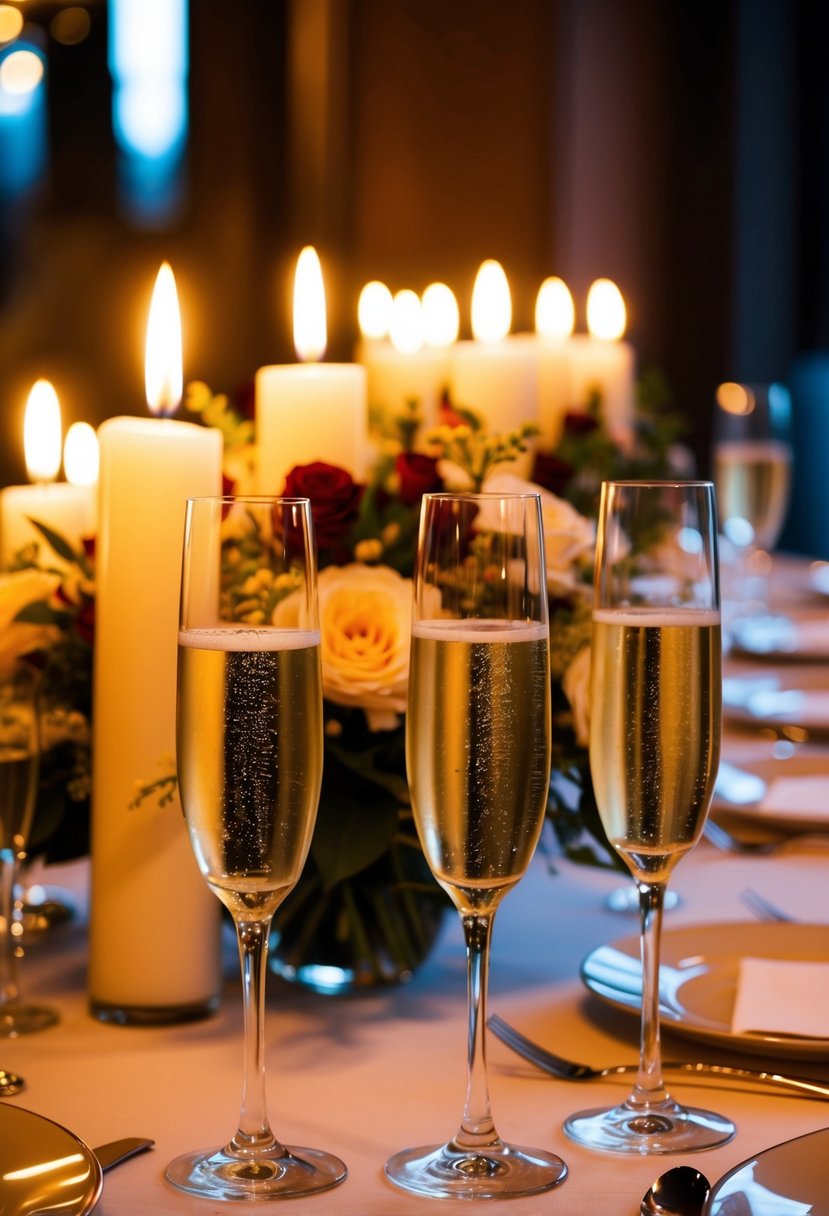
{"type": "Point", "coordinates": [790, 794]}
{"type": "Point", "coordinates": [780, 637]}
{"type": "Point", "coordinates": [766, 701]}
{"type": "Point", "coordinates": [698, 980]}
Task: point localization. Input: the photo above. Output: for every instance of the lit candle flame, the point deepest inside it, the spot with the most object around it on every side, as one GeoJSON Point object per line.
{"type": "Point", "coordinates": [406, 324]}
{"type": "Point", "coordinates": [163, 376]}
{"type": "Point", "coordinates": [80, 455]}
{"type": "Point", "coordinates": [42, 432]}
{"type": "Point", "coordinates": [606, 314]}
{"type": "Point", "coordinates": [374, 310]}
{"type": "Point", "coordinates": [555, 313]}
{"type": "Point", "coordinates": [310, 330]}
{"type": "Point", "coordinates": [441, 319]}
{"type": "Point", "coordinates": [491, 303]}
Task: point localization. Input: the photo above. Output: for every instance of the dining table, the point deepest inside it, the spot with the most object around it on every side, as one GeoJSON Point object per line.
{"type": "Point", "coordinates": [367, 1074]}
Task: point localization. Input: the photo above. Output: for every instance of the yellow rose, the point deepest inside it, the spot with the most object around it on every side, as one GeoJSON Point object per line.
{"type": "Point", "coordinates": [18, 638]}
{"type": "Point", "coordinates": [365, 620]}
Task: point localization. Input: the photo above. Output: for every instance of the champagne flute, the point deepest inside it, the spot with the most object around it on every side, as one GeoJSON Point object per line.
{"type": "Point", "coordinates": [249, 744]}
{"type": "Point", "coordinates": [752, 473]}
{"type": "Point", "coordinates": [478, 760]}
{"type": "Point", "coordinates": [656, 692]}
{"type": "Point", "coordinates": [19, 767]}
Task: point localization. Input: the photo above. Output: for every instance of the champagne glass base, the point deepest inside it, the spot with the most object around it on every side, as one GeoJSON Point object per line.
{"type": "Point", "coordinates": [497, 1171]}
{"type": "Point", "coordinates": [625, 899]}
{"type": "Point", "coordinates": [290, 1172]}
{"type": "Point", "coordinates": [25, 1019]}
{"type": "Point", "coordinates": [665, 1127]}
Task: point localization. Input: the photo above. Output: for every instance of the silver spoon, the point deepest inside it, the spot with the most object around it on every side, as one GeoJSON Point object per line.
{"type": "Point", "coordinates": [681, 1191]}
{"type": "Point", "coordinates": [10, 1083]}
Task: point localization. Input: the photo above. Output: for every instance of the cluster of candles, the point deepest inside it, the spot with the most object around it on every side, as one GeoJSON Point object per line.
{"type": "Point", "coordinates": [145, 470]}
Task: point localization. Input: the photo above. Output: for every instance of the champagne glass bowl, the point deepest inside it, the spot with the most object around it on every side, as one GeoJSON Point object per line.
{"type": "Point", "coordinates": [478, 759]}
{"type": "Point", "coordinates": [249, 747]}
{"type": "Point", "coordinates": [656, 693]}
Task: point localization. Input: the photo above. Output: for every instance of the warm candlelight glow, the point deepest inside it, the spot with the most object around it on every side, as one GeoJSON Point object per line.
{"type": "Point", "coordinates": [406, 325]}
{"type": "Point", "coordinates": [310, 331]}
{"type": "Point", "coordinates": [491, 303]}
{"type": "Point", "coordinates": [163, 375]}
{"type": "Point", "coordinates": [735, 398]}
{"type": "Point", "coordinates": [80, 455]}
{"type": "Point", "coordinates": [21, 72]}
{"type": "Point", "coordinates": [42, 432]}
{"type": "Point", "coordinates": [606, 314]}
{"type": "Point", "coordinates": [374, 310]}
{"type": "Point", "coordinates": [555, 313]}
{"type": "Point", "coordinates": [441, 320]}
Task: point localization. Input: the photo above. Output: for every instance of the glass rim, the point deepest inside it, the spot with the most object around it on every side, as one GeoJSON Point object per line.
{"type": "Point", "coordinates": [663, 483]}
{"type": "Point", "coordinates": [465, 495]}
{"type": "Point", "coordinates": [259, 499]}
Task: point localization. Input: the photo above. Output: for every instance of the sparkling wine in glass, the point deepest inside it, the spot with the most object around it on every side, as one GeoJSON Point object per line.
{"type": "Point", "coordinates": [19, 767]}
{"type": "Point", "coordinates": [249, 748]}
{"type": "Point", "coordinates": [656, 694]}
{"type": "Point", "coordinates": [752, 474]}
{"type": "Point", "coordinates": [478, 760]}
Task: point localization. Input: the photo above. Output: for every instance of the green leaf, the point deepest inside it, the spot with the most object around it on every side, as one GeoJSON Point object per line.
{"type": "Point", "coordinates": [60, 545]}
{"type": "Point", "coordinates": [351, 834]}
{"type": "Point", "coordinates": [41, 613]}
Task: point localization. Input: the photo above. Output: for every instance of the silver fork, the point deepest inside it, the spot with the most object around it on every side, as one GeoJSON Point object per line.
{"type": "Point", "coordinates": [569, 1070]}
{"type": "Point", "coordinates": [721, 838]}
{"type": "Point", "coordinates": [761, 907]}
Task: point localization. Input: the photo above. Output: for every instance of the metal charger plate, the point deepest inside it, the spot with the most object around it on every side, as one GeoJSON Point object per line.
{"type": "Point", "coordinates": [698, 981]}
{"type": "Point", "coordinates": [44, 1167]}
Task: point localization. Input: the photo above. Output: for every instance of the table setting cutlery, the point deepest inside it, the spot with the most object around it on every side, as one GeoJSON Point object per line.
{"type": "Point", "coordinates": [44, 1167]}
{"type": "Point", "coordinates": [788, 1179]}
{"type": "Point", "coordinates": [763, 908]}
{"type": "Point", "coordinates": [570, 1070]}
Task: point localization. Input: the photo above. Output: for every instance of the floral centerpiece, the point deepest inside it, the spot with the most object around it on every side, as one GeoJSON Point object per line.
{"type": "Point", "coordinates": [367, 908]}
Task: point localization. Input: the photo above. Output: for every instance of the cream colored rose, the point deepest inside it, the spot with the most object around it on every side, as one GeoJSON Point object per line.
{"type": "Point", "coordinates": [576, 685]}
{"type": "Point", "coordinates": [568, 536]}
{"type": "Point", "coordinates": [18, 638]}
{"type": "Point", "coordinates": [365, 622]}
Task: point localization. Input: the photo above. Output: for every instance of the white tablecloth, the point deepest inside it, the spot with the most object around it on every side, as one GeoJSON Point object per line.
{"type": "Point", "coordinates": [366, 1076]}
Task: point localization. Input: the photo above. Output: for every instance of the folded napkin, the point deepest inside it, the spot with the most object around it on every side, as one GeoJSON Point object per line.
{"type": "Point", "coordinates": [782, 996]}
{"type": "Point", "coordinates": [805, 797]}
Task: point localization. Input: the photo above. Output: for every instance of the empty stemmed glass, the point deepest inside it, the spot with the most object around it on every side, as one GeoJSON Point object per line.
{"type": "Point", "coordinates": [478, 760]}
{"type": "Point", "coordinates": [19, 767]}
{"type": "Point", "coordinates": [249, 746]}
{"type": "Point", "coordinates": [655, 708]}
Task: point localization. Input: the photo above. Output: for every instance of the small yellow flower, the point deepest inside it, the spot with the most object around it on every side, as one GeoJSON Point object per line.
{"type": "Point", "coordinates": [368, 550]}
{"type": "Point", "coordinates": [390, 534]}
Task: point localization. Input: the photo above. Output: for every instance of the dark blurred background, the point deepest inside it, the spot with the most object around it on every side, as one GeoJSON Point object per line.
{"type": "Point", "coordinates": [677, 147]}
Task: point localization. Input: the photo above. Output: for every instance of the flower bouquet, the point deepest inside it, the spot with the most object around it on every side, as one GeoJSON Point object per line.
{"type": "Point", "coordinates": [366, 909]}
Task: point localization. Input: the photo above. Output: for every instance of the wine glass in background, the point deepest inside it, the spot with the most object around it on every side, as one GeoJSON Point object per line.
{"type": "Point", "coordinates": [249, 747]}
{"type": "Point", "coordinates": [478, 760]}
{"type": "Point", "coordinates": [752, 473]}
{"type": "Point", "coordinates": [19, 766]}
{"type": "Point", "coordinates": [656, 693]}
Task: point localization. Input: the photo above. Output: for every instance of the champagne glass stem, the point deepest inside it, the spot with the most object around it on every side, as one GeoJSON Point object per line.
{"type": "Point", "coordinates": [254, 1134]}
{"type": "Point", "coordinates": [650, 1086]}
{"type": "Point", "coordinates": [9, 991]}
{"type": "Point", "coordinates": [477, 1128]}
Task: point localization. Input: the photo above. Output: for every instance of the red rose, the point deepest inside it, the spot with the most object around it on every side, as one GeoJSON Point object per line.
{"type": "Point", "coordinates": [335, 498]}
{"type": "Point", "coordinates": [418, 476]}
{"type": "Point", "coordinates": [577, 422]}
{"type": "Point", "coordinates": [552, 473]}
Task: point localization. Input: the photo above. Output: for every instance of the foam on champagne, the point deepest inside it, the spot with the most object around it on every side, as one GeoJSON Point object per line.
{"type": "Point", "coordinates": [246, 638]}
{"type": "Point", "coordinates": [480, 630]}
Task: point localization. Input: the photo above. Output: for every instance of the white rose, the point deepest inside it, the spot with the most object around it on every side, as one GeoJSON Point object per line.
{"type": "Point", "coordinates": [568, 536]}
{"type": "Point", "coordinates": [576, 686]}
{"type": "Point", "coordinates": [18, 638]}
{"type": "Point", "coordinates": [365, 622]}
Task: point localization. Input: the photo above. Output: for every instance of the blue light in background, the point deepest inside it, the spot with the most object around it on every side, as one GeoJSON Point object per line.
{"type": "Point", "coordinates": [148, 62]}
{"type": "Point", "coordinates": [23, 119]}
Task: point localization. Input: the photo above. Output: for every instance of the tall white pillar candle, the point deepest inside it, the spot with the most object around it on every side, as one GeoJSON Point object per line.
{"type": "Point", "coordinates": [154, 928]}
